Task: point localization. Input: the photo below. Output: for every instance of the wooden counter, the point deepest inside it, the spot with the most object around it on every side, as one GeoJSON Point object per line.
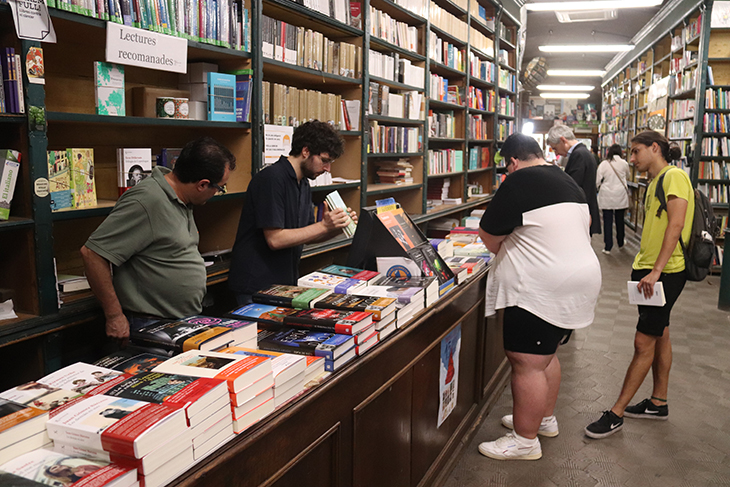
{"type": "Point", "coordinates": [374, 423]}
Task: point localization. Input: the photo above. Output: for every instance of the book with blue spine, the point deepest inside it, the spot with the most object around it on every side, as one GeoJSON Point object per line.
{"type": "Point", "coordinates": [305, 342]}
{"type": "Point", "coordinates": [221, 97]}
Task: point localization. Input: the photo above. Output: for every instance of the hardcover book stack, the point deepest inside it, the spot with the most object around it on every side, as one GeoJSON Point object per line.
{"type": "Point", "coordinates": [395, 172]}
{"type": "Point", "coordinates": [286, 383]}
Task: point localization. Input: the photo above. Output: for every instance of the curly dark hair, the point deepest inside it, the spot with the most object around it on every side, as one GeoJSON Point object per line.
{"type": "Point", "coordinates": [318, 137]}
{"type": "Point", "coordinates": [203, 158]}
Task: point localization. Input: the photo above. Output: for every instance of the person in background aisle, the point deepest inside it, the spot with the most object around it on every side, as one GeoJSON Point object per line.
{"type": "Point", "coordinates": [278, 218]}
{"type": "Point", "coordinates": [660, 258]}
{"type": "Point", "coordinates": [151, 240]}
{"type": "Point", "coordinates": [594, 150]}
{"type": "Point", "coordinates": [580, 166]}
{"type": "Point", "coordinates": [546, 278]}
{"type": "Point", "coordinates": [613, 195]}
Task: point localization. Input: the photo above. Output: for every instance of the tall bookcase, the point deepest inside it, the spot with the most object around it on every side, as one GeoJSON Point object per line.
{"type": "Point", "coordinates": [660, 89]}
{"type": "Point", "coordinates": [36, 238]}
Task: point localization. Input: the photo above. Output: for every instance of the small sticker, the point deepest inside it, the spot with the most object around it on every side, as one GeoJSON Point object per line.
{"type": "Point", "coordinates": [34, 66]}
{"type": "Point", "coordinates": [41, 187]}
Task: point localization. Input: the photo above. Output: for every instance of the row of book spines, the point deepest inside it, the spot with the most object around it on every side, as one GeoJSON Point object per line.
{"type": "Point", "coordinates": [398, 33]}
{"type": "Point", "coordinates": [200, 21]}
{"type": "Point", "coordinates": [479, 158]}
{"type": "Point", "coordinates": [714, 170]}
{"type": "Point", "coordinates": [680, 128]}
{"type": "Point", "coordinates": [481, 99]}
{"type": "Point", "coordinates": [479, 128]}
{"type": "Point", "coordinates": [390, 139]}
{"type": "Point", "coordinates": [11, 88]}
{"type": "Point", "coordinates": [716, 193]}
{"type": "Point", "coordinates": [715, 146]}
{"type": "Point", "coordinates": [505, 128]}
{"type": "Point", "coordinates": [717, 98]}
{"type": "Point", "coordinates": [290, 106]}
{"type": "Point", "coordinates": [445, 161]}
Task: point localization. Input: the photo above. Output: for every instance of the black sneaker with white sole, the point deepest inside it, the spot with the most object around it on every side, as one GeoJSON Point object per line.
{"type": "Point", "coordinates": [647, 410]}
{"type": "Point", "coordinates": [606, 426]}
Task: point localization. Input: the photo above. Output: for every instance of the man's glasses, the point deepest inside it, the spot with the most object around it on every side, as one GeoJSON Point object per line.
{"type": "Point", "coordinates": [221, 189]}
{"type": "Point", "coordinates": [326, 160]}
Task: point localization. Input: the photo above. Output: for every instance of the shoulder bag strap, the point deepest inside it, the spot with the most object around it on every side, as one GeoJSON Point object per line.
{"type": "Point", "coordinates": [619, 178]}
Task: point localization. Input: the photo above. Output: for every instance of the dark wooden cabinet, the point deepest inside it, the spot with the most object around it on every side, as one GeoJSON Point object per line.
{"type": "Point", "coordinates": [375, 422]}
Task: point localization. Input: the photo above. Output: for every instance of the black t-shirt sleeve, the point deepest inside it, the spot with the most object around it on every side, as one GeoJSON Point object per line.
{"type": "Point", "coordinates": [503, 214]}
{"type": "Point", "coordinates": [269, 201]}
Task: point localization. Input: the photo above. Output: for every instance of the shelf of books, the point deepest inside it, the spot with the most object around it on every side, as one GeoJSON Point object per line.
{"type": "Point", "coordinates": [660, 89]}
{"type": "Point", "coordinates": [420, 91]}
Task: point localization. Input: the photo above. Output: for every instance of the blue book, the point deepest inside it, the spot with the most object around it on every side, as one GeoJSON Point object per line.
{"type": "Point", "coordinates": [221, 97]}
{"type": "Point", "coordinates": [305, 342]}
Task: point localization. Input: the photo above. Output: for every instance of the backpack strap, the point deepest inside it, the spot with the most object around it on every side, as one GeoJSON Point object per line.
{"type": "Point", "coordinates": [661, 196]}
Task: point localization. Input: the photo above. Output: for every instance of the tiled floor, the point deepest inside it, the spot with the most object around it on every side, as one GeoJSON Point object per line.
{"type": "Point", "coordinates": [691, 449]}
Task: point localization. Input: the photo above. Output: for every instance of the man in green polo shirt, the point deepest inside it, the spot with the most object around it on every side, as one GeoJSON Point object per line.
{"type": "Point", "coordinates": [151, 240]}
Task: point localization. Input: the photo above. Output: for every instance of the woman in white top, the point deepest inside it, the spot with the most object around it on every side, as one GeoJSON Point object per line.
{"type": "Point", "coordinates": [613, 195]}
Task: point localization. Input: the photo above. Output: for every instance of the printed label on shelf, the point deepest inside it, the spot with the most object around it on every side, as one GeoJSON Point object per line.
{"type": "Point", "coordinates": [32, 21]}
{"type": "Point", "coordinates": [139, 47]}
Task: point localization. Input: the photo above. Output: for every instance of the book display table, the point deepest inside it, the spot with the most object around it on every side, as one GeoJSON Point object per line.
{"type": "Point", "coordinates": [375, 422]}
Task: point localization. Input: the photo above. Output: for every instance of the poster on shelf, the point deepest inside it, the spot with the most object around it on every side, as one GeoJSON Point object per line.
{"type": "Point", "coordinates": [32, 20]}
{"type": "Point", "coordinates": [277, 142]}
{"type": "Point", "coordinates": [449, 373]}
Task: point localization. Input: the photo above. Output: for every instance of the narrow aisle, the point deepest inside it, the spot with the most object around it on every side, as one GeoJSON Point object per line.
{"type": "Point", "coordinates": [691, 449]}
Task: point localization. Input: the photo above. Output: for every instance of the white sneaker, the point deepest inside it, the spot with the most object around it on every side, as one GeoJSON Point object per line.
{"type": "Point", "coordinates": [508, 448]}
{"type": "Point", "coordinates": [548, 426]}
{"type": "Point", "coordinates": [607, 252]}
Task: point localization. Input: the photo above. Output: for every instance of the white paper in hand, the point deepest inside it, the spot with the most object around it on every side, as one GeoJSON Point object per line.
{"type": "Point", "coordinates": [637, 297]}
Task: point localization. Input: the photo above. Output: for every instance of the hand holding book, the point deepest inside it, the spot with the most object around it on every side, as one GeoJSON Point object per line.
{"type": "Point", "coordinates": [339, 215]}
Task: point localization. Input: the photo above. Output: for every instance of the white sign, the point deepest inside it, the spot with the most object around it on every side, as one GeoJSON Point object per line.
{"type": "Point", "coordinates": [138, 47]}
{"type": "Point", "coordinates": [720, 15]}
{"type": "Point", "coordinates": [32, 21]}
{"type": "Point", "coordinates": [277, 142]}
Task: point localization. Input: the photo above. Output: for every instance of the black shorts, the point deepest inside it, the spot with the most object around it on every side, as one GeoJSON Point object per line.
{"type": "Point", "coordinates": [526, 333]}
{"type": "Point", "coordinates": [653, 319]}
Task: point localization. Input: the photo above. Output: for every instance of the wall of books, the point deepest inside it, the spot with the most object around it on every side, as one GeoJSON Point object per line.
{"type": "Point", "coordinates": [678, 87]}
{"type": "Point", "coordinates": [421, 91]}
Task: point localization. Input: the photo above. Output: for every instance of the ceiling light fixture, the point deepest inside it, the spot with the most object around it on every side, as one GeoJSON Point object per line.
{"type": "Point", "coordinates": [565, 87]}
{"type": "Point", "coordinates": [588, 48]}
{"type": "Point", "coordinates": [576, 72]}
{"type": "Point", "coordinates": [566, 96]}
{"type": "Point", "coordinates": [591, 5]}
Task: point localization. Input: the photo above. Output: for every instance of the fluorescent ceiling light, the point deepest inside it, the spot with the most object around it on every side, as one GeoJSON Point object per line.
{"type": "Point", "coordinates": [576, 72]}
{"type": "Point", "coordinates": [588, 48]}
{"type": "Point", "coordinates": [567, 96]}
{"type": "Point", "coordinates": [565, 87]}
{"type": "Point", "coordinates": [591, 5]}
{"type": "Point", "coordinates": [528, 128]}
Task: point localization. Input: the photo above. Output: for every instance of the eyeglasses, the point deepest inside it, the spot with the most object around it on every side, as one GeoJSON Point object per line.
{"type": "Point", "coordinates": [326, 160]}
{"type": "Point", "coordinates": [221, 189]}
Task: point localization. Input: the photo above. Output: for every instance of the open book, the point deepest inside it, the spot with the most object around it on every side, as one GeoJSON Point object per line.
{"type": "Point", "coordinates": [637, 297]}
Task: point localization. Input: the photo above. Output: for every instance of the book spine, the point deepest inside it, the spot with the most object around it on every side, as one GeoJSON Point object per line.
{"type": "Point", "coordinates": [19, 84]}
{"type": "Point", "coordinates": [272, 300]}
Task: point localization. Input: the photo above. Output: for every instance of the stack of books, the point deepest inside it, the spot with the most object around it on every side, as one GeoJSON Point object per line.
{"type": "Point", "coordinates": [338, 284]}
{"type": "Point", "coordinates": [289, 375]}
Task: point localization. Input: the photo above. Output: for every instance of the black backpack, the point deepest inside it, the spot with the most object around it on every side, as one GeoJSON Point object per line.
{"type": "Point", "coordinates": [699, 252]}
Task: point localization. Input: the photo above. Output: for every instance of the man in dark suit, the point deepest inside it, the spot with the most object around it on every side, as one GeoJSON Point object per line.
{"type": "Point", "coordinates": [581, 166]}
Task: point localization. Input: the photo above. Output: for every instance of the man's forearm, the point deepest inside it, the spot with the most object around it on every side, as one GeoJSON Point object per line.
{"type": "Point", "coordinates": [284, 238]}
{"type": "Point", "coordinates": [99, 275]}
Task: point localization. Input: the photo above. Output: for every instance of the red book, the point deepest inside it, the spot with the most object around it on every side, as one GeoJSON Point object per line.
{"type": "Point", "coordinates": [330, 320]}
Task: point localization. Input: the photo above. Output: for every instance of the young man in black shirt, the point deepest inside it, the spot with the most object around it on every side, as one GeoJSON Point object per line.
{"type": "Point", "coordinates": [278, 218]}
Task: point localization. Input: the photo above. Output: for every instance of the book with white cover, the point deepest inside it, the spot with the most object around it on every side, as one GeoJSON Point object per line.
{"type": "Point", "coordinates": [239, 371]}
{"type": "Point", "coordinates": [124, 426]}
{"type": "Point", "coordinates": [79, 377]}
{"type": "Point", "coordinates": [172, 447]}
{"type": "Point", "coordinates": [163, 475]}
{"type": "Point", "coordinates": [637, 297]}
{"type": "Point", "coordinates": [133, 165]}
{"type": "Point", "coordinates": [286, 366]}
{"type": "Point", "coordinates": [253, 403]}
{"type": "Point", "coordinates": [253, 416]}
{"type": "Point", "coordinates": [34, 442]}
{"type": "Point", "coordinates": [47, 467]}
